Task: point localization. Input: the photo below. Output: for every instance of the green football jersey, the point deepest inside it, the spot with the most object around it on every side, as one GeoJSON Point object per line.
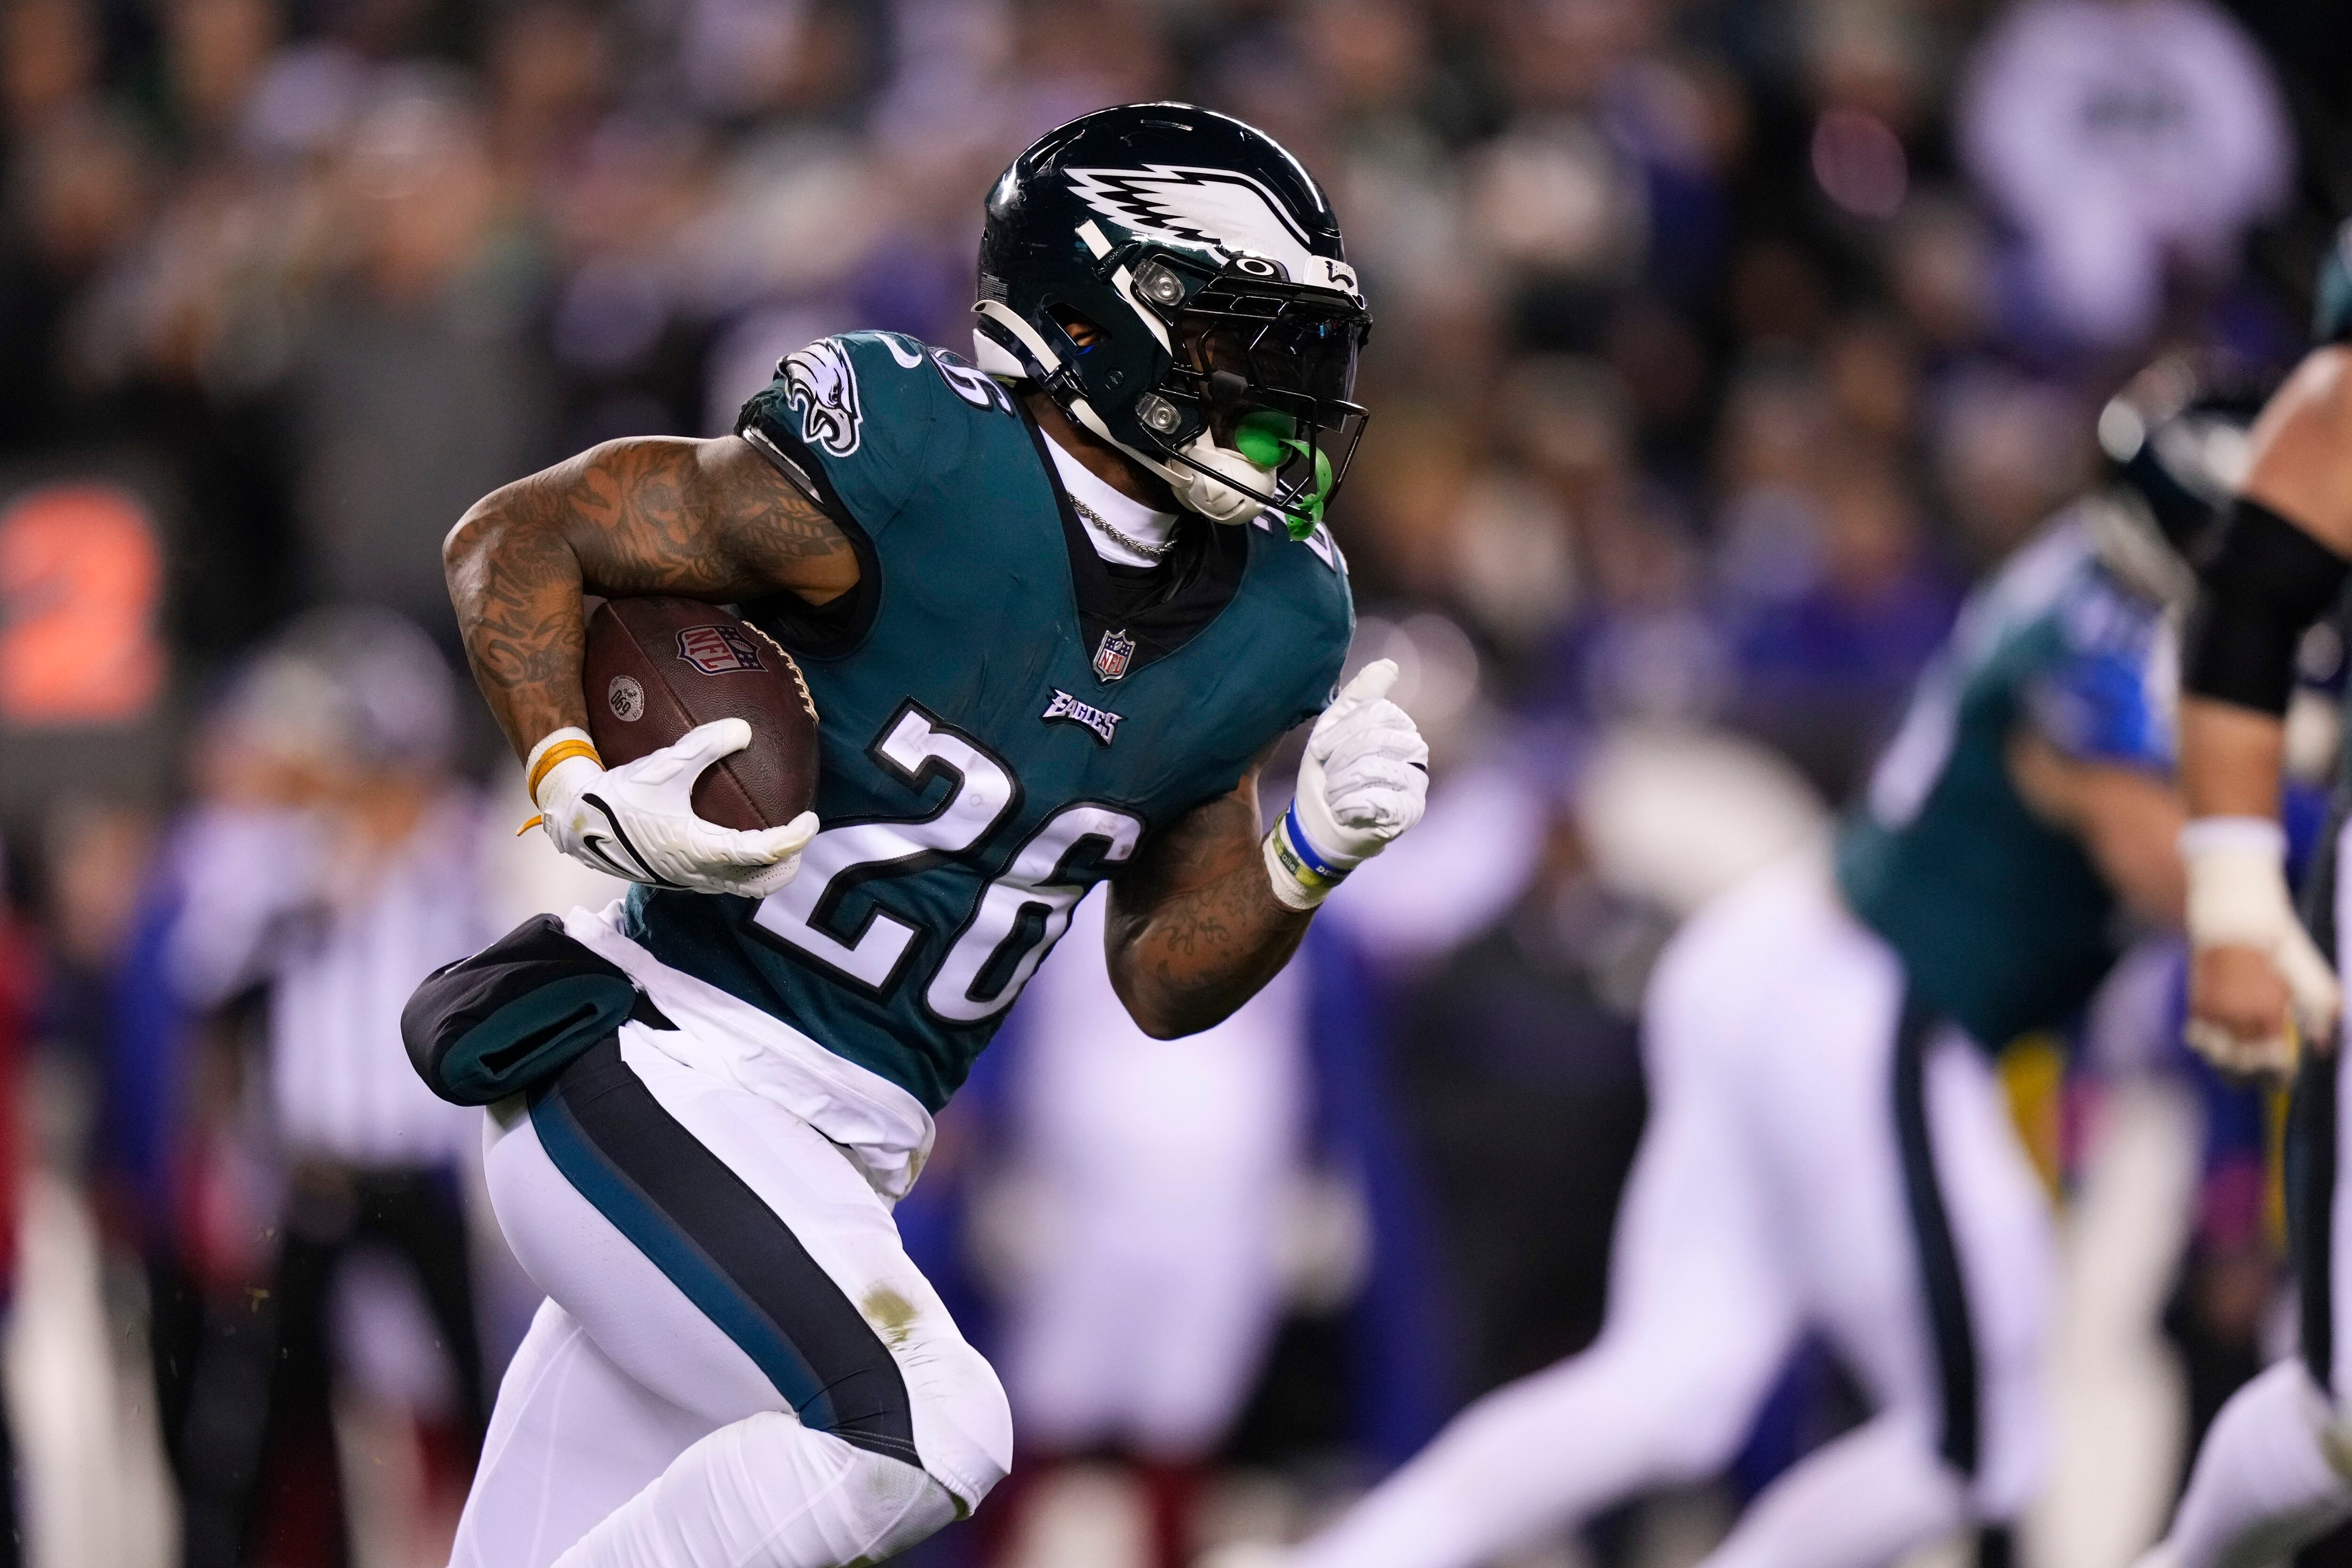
{"type": "Point", "coordinates": [995, 736]}
{"type": "Point", "coordinates": [2002, 922]}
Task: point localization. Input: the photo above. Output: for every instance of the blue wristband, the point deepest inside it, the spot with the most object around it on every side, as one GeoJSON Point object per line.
{"type": "Point", "coordinates": [1295, 837]}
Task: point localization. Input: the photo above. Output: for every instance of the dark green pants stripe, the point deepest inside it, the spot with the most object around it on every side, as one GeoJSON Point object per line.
{"type": "Point", "coordinates": [705, 1228]}
{"type": "Point", "coordinates": [1941, 1279]}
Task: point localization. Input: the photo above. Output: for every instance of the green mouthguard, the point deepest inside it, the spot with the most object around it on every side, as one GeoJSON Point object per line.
{"type": "Point", "coordinates": [1264, 438]}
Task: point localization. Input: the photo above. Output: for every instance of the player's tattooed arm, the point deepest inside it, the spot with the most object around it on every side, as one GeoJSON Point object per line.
{"type": "Point", "coordinates": [702, 520]}
{"type": "Point", "coordinates": [1195, 928]}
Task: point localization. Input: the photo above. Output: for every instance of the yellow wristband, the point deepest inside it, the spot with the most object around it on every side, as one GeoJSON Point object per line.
{"type": "Point", "coordinates": [561, 751]}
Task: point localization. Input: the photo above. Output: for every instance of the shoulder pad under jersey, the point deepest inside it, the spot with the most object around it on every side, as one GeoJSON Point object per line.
{"type": "Point", "coordinates": [880, 413]}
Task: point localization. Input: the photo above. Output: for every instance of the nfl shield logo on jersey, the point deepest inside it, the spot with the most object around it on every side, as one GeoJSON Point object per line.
{"type": "Point", "coordinates": [717, 650]}
{"type": "Point", "coordinates": [1111, 658]}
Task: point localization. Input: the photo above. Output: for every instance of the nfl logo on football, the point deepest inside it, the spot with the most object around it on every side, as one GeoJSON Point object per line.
{"type": "Point", "coordinates": [1111, 658]}
{"type": "Point", "coordinates": [717, 650]}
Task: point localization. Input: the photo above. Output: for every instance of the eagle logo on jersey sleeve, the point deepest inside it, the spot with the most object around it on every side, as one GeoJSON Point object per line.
{"type": "Point", "coordinates": [821, 384]}
{"type": "Point", "coordinates": [1219, 209]}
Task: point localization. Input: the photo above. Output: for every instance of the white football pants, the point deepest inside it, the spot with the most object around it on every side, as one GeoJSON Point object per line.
{"type": "Point", "coordinates": [2264, 1483]}
{"type": "Point", "coordinates": [737, 1365]}
{"type": "Point", "coordinates": [1769, 1195]}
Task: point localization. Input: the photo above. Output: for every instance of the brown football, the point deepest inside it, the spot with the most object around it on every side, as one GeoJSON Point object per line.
{"type": "Point", "coordinates": [657, 667]}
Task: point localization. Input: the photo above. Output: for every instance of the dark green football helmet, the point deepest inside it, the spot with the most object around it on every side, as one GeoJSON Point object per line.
{"type": "Point", "coordinates": [1175, 281]}
{"type": "Point", "coordinates": [2175, 438]}
{"type": "Point", "coordinates": [2175, 444]}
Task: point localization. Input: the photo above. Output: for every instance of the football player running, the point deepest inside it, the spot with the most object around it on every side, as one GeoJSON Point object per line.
{"type": "Point", "coordinates": [1054, 609]}
{"type": "Point", "coordinates": [2275, 1470]}
{"type": "Point", "coordinates": [1827, 1148]}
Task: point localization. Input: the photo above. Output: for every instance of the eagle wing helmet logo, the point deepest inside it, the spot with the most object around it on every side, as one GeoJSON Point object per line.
{"type": "Point", "coordinates": [1220, 209]}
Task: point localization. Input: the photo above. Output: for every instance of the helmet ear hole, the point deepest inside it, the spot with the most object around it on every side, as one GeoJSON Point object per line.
{"type": "Point", "coordinates": [1081, 332]}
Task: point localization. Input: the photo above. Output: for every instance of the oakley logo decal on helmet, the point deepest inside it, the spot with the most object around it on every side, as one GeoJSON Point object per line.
{"type": "Point", "coordinates": [1175, 281]}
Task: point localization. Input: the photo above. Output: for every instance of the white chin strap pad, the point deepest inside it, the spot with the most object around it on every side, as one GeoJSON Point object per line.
{"type": "Point", "coordinates": [1212, 496]}
{"type": "Point", "coordinates": [1195, 491]}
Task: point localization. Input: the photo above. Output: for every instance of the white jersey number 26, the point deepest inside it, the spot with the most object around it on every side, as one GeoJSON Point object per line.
{"type": "Point", "coordinates": [1032, 900]}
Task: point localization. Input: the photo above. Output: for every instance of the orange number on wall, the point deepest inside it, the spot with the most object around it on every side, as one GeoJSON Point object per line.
{"type": "Point", "coordinates": [81, 573]}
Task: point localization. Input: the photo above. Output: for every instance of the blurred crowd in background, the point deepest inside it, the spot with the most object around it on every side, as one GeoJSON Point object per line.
{"type": "Point", "coordinates": [1719, 346]}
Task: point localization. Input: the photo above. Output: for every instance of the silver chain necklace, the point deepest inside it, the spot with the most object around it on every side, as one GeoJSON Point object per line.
{"type": "Point", "coordinates": [1150, 553]}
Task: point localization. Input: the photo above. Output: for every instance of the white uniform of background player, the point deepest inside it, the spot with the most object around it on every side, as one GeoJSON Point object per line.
{"type": "Point", "coordinates": [1768, 1197]}
{"type": "Point", "coordinates": [2275, 1469]}
{"type": "Point", "coordinates": [1818, 1157]}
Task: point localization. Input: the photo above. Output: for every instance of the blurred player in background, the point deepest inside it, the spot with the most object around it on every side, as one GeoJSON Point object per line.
{"type": "Point", "coordinates": [2275, 1470]}
{"type": "Point", "coordinates": [1054, 610]}
{"type": "Point", "coordinates": [1827, 1147]}
{"type": "Point", "coordinates": [339, 863]}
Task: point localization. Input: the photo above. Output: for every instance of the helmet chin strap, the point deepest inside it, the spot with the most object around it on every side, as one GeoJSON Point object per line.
{"type": "Point", "coordinates": [1195, 491]}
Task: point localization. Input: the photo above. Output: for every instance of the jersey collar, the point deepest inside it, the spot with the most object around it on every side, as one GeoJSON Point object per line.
{"type": "Point", "coordinates": [1124, 513]}
{"type": "Point", "coordinates": [1204, 574]}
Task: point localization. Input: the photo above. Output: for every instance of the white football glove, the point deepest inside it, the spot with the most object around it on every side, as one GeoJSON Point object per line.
{"type": "Point", "coordinates": [1364, 780]}
{"type": "Point", "coordinates": [2238, 898]}
{"type": "Point", "coordinates": [637, 820]}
